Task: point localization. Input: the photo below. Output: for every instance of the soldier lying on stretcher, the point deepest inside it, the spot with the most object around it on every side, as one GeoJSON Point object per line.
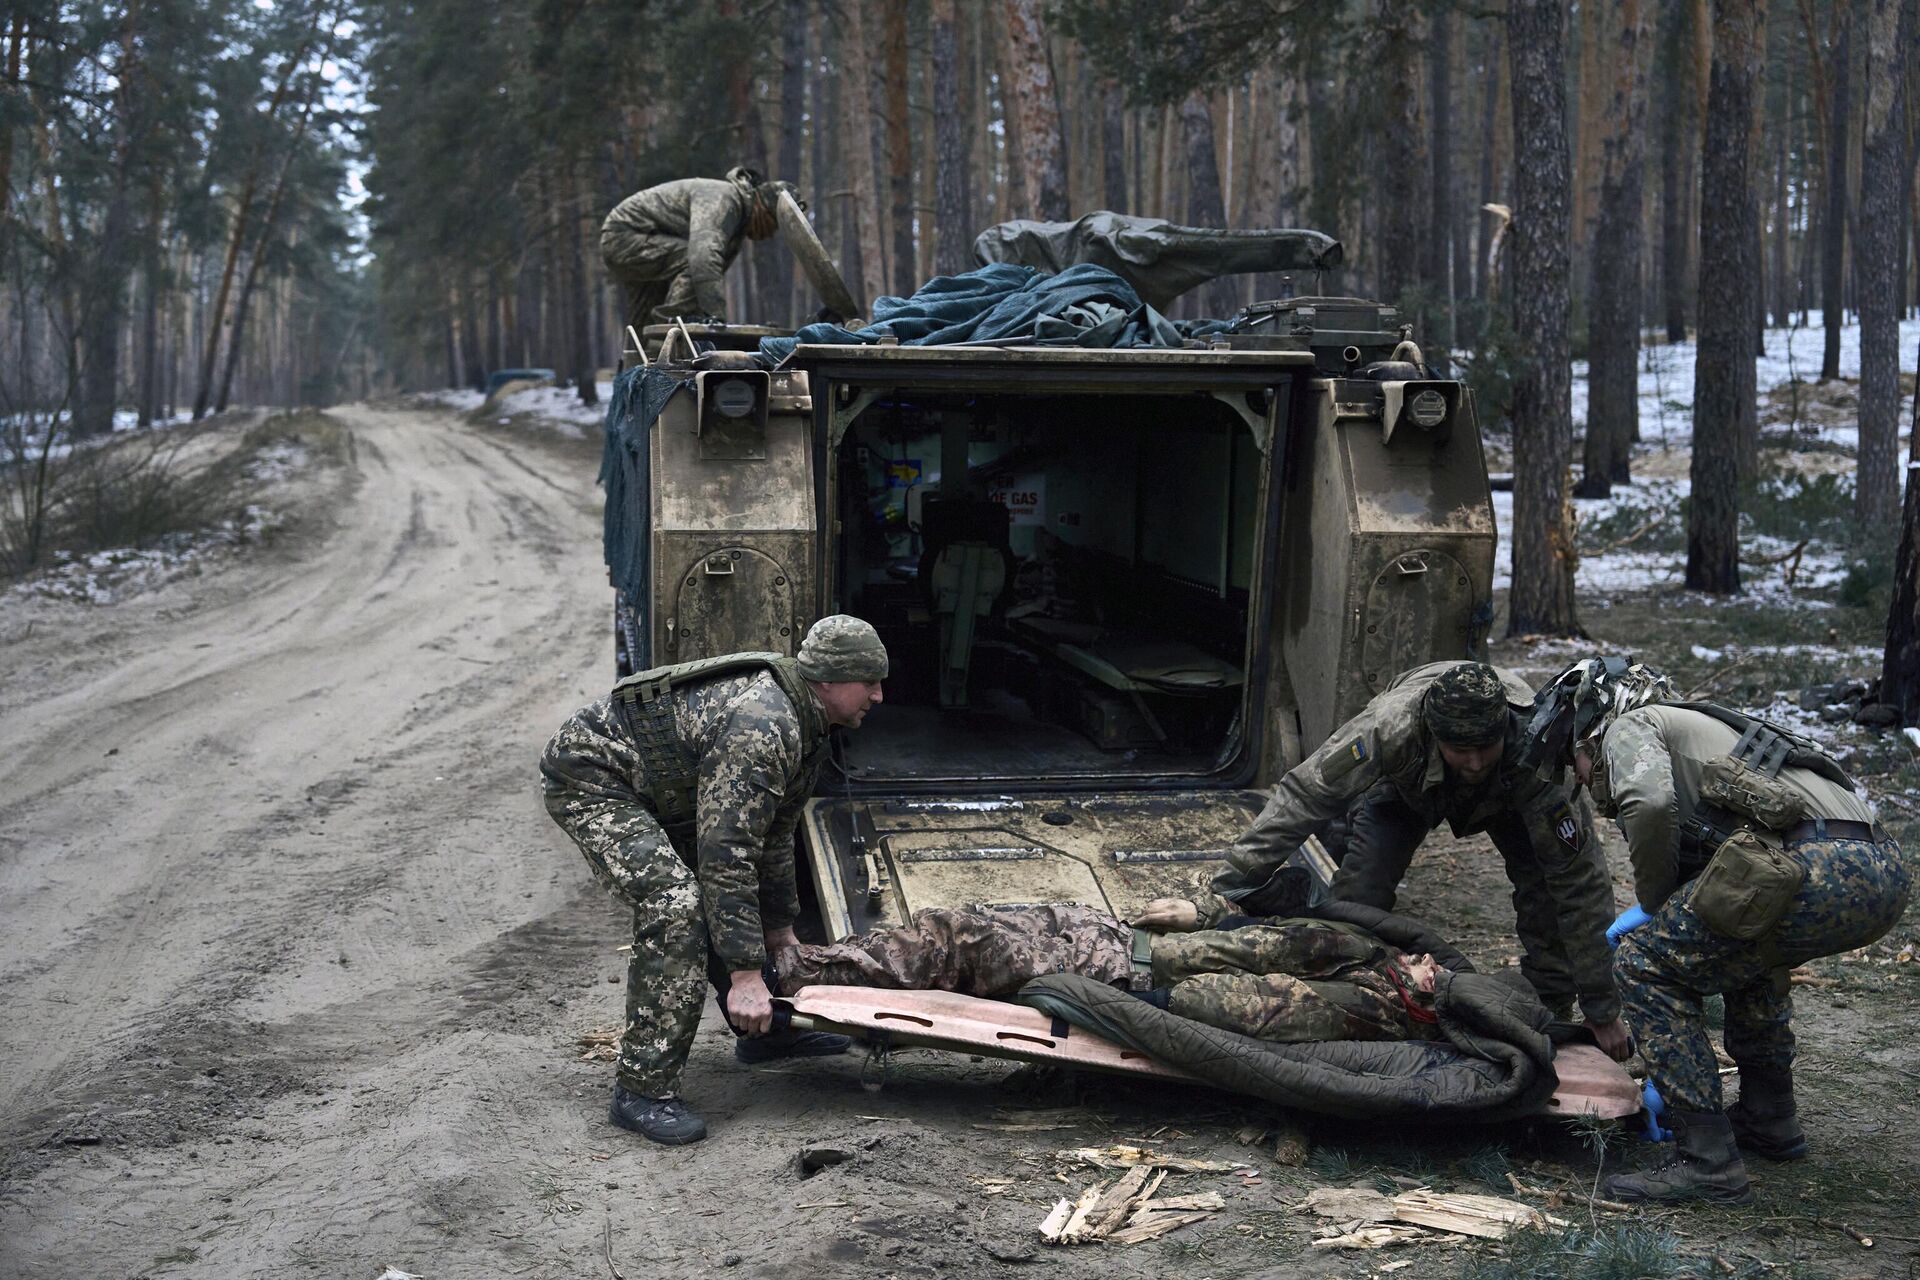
{"type": "Point", "coordinates": [1284, 980]}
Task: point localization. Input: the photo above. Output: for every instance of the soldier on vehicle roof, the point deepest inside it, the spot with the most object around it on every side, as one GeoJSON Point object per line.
{"type": "Point", "coordinates": [683, 788]}
{"type": "Point", "coordinates": [670, 245]}
{"type": "Point", "coordinates": [1752, 852]}
{"type": "Point", "coordinates": [1437, 745]}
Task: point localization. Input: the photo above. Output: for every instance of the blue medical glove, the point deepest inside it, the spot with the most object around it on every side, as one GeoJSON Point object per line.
{"type": "Point", "coordinates": [1656, 1106]}
{"type": "Point", "coordinates": [1626, 922]}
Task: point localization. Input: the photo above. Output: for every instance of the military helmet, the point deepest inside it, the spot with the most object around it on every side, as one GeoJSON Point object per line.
{"type": "Point", "coordinates": [1579, 704]}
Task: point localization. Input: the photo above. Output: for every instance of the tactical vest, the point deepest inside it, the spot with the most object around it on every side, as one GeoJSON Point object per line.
{"type": "Point", "coordinates": [673, 775]}
{"type": "Point", "coordinates": [1764, 747]}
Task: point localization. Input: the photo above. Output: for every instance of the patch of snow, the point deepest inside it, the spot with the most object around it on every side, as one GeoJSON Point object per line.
{"type": "Point", "coordinates": [277, 461]}
{"type": "Point", "coordinates": [104, 577]}
{"type": "Point", "coordinates": [1705, 654]}
{"type": "Point", "coordinates": [559, 408]}
{"type": "Point", "coordinates": [461, 399]}
{"type": "Point", "coordinates": [1912, 735]}
{"type": "Point", "coordinates": [22, 438]}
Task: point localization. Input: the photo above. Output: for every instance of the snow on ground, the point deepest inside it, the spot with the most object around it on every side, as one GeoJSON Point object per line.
{"type": "Point", "coordinates": [545, 405]}
{"type": "Point", "coordinates": [1666, 376]}
{"type": "Point", "coordinates": [1770, 571]}
{"type": "Point", "coordinates": [102, 577]}
{"type": "Point", "coordinates": [23, 438]}
{"type": "Point", "coordinates": [278, 461]}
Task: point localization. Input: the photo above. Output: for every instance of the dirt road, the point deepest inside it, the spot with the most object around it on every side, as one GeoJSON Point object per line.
{"type": "Point", "coordinates": [292, 964]}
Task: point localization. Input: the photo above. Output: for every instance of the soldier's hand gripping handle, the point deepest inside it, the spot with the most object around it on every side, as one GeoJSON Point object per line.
{"type": "Point", "coordinates": [749, 1003]}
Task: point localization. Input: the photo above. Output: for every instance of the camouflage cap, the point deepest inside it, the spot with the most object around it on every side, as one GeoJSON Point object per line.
{"type": "Point", "coordinates": [841, 648]}
{"type": "Point", "coordinates": [1466, 706]}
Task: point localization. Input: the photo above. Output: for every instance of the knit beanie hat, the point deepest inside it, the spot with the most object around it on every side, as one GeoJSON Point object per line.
{"type": "Point", "coordinates": [841, 648]}
{"type": "Point", "coordinates": [1466, 706]}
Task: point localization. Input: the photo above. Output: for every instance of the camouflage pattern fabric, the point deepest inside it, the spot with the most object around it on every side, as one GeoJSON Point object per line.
{"type": "Point", "coordinates": [1385, 767]}
{"type": "Point", "coordinates": [671, 245]}
{"type": "Point", "coordinates": [1467, 705]}
{"type": "Point", "coordinates": [989, 951]}
{"type": "Point", "coordinates": [666, 978]}
{"type": "Point", "coordinates": [841, 647]}
{"type": "Point", "coordinates": [1648, 771]}
{"type": "Point", "coordinates": [703, 899]}
{"type": "Point", "coordinates": [1293, 981]}
{"type": "Point", "coordinates": [1854, 892]}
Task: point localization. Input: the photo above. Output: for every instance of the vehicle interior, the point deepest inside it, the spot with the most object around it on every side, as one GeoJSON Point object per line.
{"type": "Point", "coordinates": [1062, 583]}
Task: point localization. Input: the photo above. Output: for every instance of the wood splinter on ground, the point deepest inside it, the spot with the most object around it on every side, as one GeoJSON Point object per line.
{"type": "Point", "coordinates": [1125, 1212]}
{"type": "Point", "coordinates": [1397, 1220]}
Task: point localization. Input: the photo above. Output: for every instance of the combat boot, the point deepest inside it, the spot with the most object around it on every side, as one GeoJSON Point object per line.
{"type": "Point", "coordinates": [1764, 1122]}
{"type": "Point", "coordinates": [668, 1121]}
{"type": "Point", "coordinates": [1703, 1164]}
{"type": "Point", "coordinates": [754, 1050]}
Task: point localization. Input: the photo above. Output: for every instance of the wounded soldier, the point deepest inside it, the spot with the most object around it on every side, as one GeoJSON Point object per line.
{"type": "Point", "coordinates": [1290, 981]}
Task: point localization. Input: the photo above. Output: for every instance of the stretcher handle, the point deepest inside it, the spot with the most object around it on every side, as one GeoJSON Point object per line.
{"type": "Point", "coordinates": [785, 1019]}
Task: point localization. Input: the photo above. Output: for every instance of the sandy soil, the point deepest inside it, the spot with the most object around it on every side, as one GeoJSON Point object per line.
{"type": "Point", "coordinates": [294, 965]}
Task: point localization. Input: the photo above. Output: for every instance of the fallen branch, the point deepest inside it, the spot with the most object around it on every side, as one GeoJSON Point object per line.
{"type": "Point", "coordinates": [1864, 1240]}
{"type": "Point", "coordinates": [606, 1241]}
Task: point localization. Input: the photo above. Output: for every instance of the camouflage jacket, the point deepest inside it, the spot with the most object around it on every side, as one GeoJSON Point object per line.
{"type": "Point", "coordinates": [750, 746]}
{"type": "Point", "coordinates": [1647, 776]}
{"type": "Point", "coordinates": [710, 214]}
{"type": "Point", "coordinates": [1388, 742]}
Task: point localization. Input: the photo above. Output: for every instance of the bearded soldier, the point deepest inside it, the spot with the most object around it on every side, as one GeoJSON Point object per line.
{"type": "Point", "coordinates": [683, 788]}
{"type": "Point", "coordinates": [1437, 745]}
{"type": "Point", "coordinates": [1752, 852]}
{"type": "Point", "coordinates": [671, 245]}
{"type": "Point", "coordinates": [1288, 981]}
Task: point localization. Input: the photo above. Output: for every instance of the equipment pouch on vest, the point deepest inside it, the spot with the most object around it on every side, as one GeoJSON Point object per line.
{"type": "Point", "coordinates": [1747, 887]}
{"type": "Point", "coordinates": [1733, 784]}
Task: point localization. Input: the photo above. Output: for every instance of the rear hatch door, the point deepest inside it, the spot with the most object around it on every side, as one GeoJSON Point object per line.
{"type": "Point", "coordinates": [876, 859]}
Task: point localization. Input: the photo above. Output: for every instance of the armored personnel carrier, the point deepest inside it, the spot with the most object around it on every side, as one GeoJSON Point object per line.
{"type": "Point", "coordinates": [1122, 590]}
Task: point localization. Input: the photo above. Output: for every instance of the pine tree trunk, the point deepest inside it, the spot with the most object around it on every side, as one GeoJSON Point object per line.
{"type": "Point", "coordinates": [1203, 188]}
{"type": "Point", "coordinates": [1900, 669]}
{"type": "Point", "coordinates": [1401, 196]}
{"type": "Point", "coordinates": [788, 292]}
{"type": "Point", "coordinates": [856, 147]}
{"type": "Point", "coordinates": [1878, 280]}
{"type": "Point", "coordinates": [1613, 312]}
{"type": "Point", "coordinates": [1724, 372]}
{"type": "Point", "coordinates": [1485, 223]}
{"type": "Point", "coordinates": [1542, 600]}
{"type": "Point", "coordinates": [1440, 337]}
{"type": "Point", "coordinates": [1676, 162]}
{"type": "Point", "coordinates": [953, 242]}
{"type": "Point", "coordinates": [1034, 99]}
{"type": "Point", "coordinates": [1113, 147]}
{"type": "Point", "coordinates": [579, 304]}
{"type": "Point", "coordinates": [904, 260]}
{"type": "Point", "coordinates": [1833, 249]}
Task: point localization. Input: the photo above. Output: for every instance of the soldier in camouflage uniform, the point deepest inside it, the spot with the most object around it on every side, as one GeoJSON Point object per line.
{"type": "Point", "coordinates": [1284, 980]}
{"type": "Point", "coordinates": [671, 245]}
{"type": "Point", "coordinates": [683, 788]}
{"type": "Point", "coordinates": [1437, 745]}
{"type": "Point", "coordinates": [1667, 771]}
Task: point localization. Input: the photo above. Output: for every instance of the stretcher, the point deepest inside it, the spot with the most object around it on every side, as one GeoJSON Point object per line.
{"type": "Point", "coordinates": [1590, 1083]}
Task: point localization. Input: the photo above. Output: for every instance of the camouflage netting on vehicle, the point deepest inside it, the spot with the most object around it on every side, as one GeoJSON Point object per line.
{"type": "Point", "coordinates": [1083, 306]}
{"type": "Point", "coordinates": [1495, 1062]}
{"type": "Point", "coordinates": [1159, 259]}
{"type": "Point", "coordinates": [639, 396]}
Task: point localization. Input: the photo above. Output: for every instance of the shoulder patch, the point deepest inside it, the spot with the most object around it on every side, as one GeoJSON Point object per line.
{"type": "Point", "coordinates": [1349, 758]}
{"type": "Point", "coordinates": [1566, 827]}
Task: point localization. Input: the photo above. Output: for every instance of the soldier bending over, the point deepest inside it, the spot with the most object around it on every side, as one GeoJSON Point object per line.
{"type": "Point", "coordinates": [683, 789]}
{"type": "Point", "coordinates": [1752, 853]}
{"type": "Point", "coordinates": [670, 245]}
{"type": "Point", "coordinates": [1438, 745]}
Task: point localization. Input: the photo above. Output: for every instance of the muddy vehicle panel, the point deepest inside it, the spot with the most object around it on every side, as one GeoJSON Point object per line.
{"type": "Point", "coordinates": [1122, 590]}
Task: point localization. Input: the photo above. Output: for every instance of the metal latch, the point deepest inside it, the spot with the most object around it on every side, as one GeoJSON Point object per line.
{"type": "Point", "coordinates": [1410, 566]}
{"type": "Point", "coordinates": [719, 563]}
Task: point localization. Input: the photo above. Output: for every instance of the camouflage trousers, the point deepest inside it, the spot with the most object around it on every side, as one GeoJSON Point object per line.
{"type": "Point", "coordinates": [1296, 982]}
{"type": "Point", "coordinates": [653, 270]}
{"type": "Point", "coordinates": [1384, 834]}
{"type": "Point", "coordinates": [1292, 982]}
{"type": "Point", "coordinates": [988, 951]}
{"type": "Point", "coordinates": [1854, 892]}
{"type": "Point", "coordinates": [668, 971]}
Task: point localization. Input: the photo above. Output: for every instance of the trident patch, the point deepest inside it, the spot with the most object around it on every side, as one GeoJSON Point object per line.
{"type": "Point", "coordinates": [1566, 828]}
